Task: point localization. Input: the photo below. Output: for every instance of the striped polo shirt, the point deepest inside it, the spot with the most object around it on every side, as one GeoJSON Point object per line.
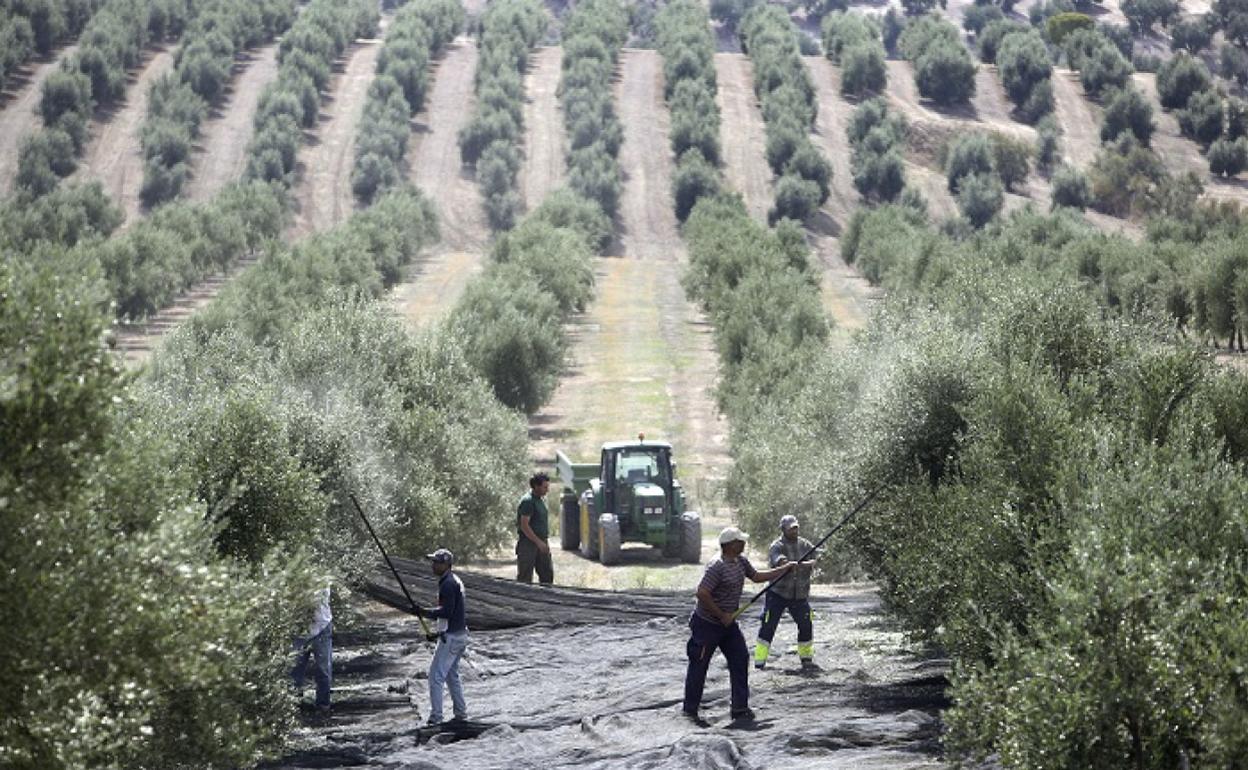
{"type": "Point", "coordinates": [725, 579]}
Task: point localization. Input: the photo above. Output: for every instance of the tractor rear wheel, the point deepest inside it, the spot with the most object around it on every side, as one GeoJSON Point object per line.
{"type": "Point", "coordinates": [690, 538]}
{"type": "Point", "coordinates": [570, 523]}
{"type": "Point", "coordinates": [589, 532]}
{"type": "Point", "coordinates": [609, 539]}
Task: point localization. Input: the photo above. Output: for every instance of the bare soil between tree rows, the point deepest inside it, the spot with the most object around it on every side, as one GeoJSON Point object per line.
{"type": "Point", "coordinates": [323, 196]}
{"type": "Point", "coordinates": [221, 150]}
{"type": "Point", "coordinates": [114, 154]}
{"type": "Point", "coordinates": [435, 282]}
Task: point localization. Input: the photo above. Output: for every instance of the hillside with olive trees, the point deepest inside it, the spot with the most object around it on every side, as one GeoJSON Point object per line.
{"type": "Point", "coordinates": [974, 270]}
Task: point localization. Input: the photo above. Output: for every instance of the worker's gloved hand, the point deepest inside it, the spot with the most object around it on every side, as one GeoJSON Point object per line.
{"type": "Point", "coordinates": [431, 637]}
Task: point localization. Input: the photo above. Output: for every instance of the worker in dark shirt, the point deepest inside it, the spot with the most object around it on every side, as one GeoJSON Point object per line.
{"type": "Point", "coordinates": [714, 624]}
{"type": "Point", "coordinates": [452, 637]}
{"type": "Point", "coordinates": [533, 530]}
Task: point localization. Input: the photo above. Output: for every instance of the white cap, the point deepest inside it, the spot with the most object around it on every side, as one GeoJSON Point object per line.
{"type": "Point", "coordinates": [732, 534]}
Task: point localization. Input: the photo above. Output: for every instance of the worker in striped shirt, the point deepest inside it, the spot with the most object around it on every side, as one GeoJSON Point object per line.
{"type": "Point", "coordinates": [714, 624]}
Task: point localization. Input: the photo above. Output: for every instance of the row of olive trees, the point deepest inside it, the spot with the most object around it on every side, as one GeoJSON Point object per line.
{"type": "Point", "coordinates": [761, 293]}
{"type": "Point", "coordinates": [510, 321]}
{"type": "Point", "coordinates": [492, 139]}
{"type": "Point", "coordinates": [980, 168]}
{"type": "Point", "coordinates": [112, 44]}
{"type": "Point", "coordinates": [1101, 65]}
{"type": "Point", "coordinates": [1091, 541]}
{"type": "Point", "coordinates": [783, 87]}
{"type": "Point", "coordinates": [592, 36]}
{"type": "Point", "coordinates": [203, 67]}
{"type": "Point", "coordinates": [298, 359]}
{"type": "Point", "coordinates": [29, 27]}
{"type": "Point", "coordinates": [69, 215]}
{"type": "Point", "coordinates": [149, 265]}
{"type": "Point", "coordinates": [852, 41]}
{"type": "Point", "coordinates": [688, 49]}
{"type": "Point", "coordinates": [943, 69]}
{"type": "Point", "coordinates": [1206, 115]}
{"type": "Point", "coordinates": [418, 34]}
{"type": "Point", "coordinates": [1192, 269]}
{"type": "Point", "coordinates": [1231, 18]}
{"type": "Point", "coordinates": [120, 609]}
{"type": "Point", "coordinates": [292, 103]}
{"type": "Point", "coordinates": [877, 140]}
{"type": "Point", "coordinates": [1127, 122]}
{"type": "Point", "coordinates": [155, 526]}
{"type": "Point", "coordinates": [1022, 58]}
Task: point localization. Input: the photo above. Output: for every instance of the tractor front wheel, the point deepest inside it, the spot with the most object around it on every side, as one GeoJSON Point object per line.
{"type": "Point", "coordinates": [690, 538]}
{"type": "Point", "coordinates": [609, 539]}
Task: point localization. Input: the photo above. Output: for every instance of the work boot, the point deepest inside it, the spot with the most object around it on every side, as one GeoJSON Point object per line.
{"type": "Point", "coordinates": [693, 717]}
{"type": "Point", "coordinates": [762, 649]}
{"type": "Point", "coordinates": [745, 714]}
{"type": "Point", "coordinates": [809, 665]}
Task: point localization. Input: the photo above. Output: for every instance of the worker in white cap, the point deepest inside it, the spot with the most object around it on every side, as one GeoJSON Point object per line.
{"type": "Point", "coordinates": [714, 624]}
{"type": "Point", "coordinates": [792, 594]}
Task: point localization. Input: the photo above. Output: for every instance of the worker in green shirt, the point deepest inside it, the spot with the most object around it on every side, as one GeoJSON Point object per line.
{"type": "Point", "coordinates": [533, 528]}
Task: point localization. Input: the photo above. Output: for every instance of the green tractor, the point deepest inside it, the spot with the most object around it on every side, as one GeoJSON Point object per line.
{"type": "Point", "coordinates": [630, 495]}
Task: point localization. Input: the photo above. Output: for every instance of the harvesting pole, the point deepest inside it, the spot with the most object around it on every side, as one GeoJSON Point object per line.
{"type": "Point", "coordinates": [848, 517]}
{"type": "Point", "coordinates": [416, 609]}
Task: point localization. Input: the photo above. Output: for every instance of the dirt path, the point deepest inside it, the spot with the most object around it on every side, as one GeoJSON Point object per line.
{"type": "Point", "coordinates": [221, 152]}
{"type": "Point", "coordinates": [114, 154]}
{"type": "Point", "coordinates": [1079, 118]}
{"type": "Point", "coordinates": [742, 133]}
{"type": "Point", "coordinates": [436, 281]}
{"type": "Point", "coordinates": [19, 111]}
{"type": "Point", "coordinates": [543, 168]}
{"type": "Point", "coordinates": [847, 296]}
{"type": "Point", "coordinates": [834, 116]}
{"type": "Point", "coordinates": [642, 357]}
{"type": "Point", "coordinates": [993, 107]}
{"type": "Point", "coordinates": [648, 222]}
{"type": "Point", "coordinates": [323, 196]}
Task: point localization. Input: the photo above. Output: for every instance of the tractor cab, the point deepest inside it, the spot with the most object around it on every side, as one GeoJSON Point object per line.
{"type": "Point", "coordinates": [637, 480]}
{"type": "Point", "coordinates": [630, 495]}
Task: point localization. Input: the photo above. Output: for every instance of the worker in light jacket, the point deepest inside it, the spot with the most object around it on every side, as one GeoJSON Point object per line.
{"type": "Point", "coordinates": [318, 646]}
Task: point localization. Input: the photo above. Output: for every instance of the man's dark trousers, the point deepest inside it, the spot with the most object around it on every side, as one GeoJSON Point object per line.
{"type": "Point", "coordinates": [529, 558]}
{"type": "Point", "coordinates": [707, 637]}
{"type": "Point", "coordinates": [775, 607]}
